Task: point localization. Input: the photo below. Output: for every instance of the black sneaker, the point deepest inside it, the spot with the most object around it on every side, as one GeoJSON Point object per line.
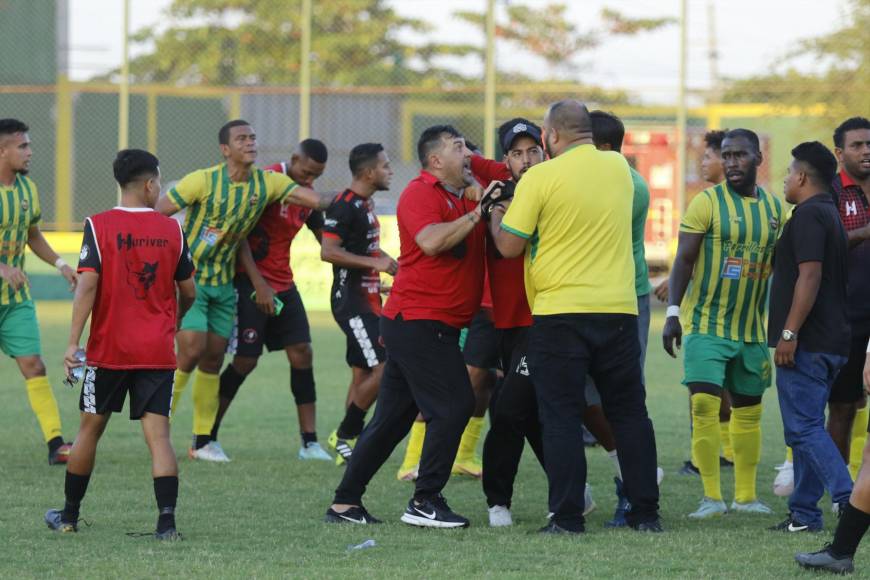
{"type": "Point", "coordinates": [689, 468]}
{"type": "Point", "coordinates": [653, 527]}
{"type": "Point", "coordinates": [554, 528]}
{"type": "Point", "coordinates": [168, 535]}
{"type": "Point", "coordinates": [790, 525]}
{"type": "Point", "coordinates": [825, 560]}
{"type": "Point", "coordinates": [53, 519]}
{"type": "Point", "coordinates": [433, 513]}
{"type": "Point", "coordinates": [355, 515]}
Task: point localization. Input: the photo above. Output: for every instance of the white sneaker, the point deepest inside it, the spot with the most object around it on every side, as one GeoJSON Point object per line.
{"type": "Point", "coordinates": [314, 451]}
{"type": "Point", "coordinates": [783, 485]}
{"type": "Point", "coordinates": [753, 507]}
{"type": "Point", "coordinates": [660, 475]}
{"type": "Point", "coordinates": [588, 503]}
{"type": "Point", "coordinates": [212, 451]}
{"type": "Point", "coordinates": [500, 516]}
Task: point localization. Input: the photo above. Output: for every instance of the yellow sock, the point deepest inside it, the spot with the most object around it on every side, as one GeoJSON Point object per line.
{"type": "Point", "coordinates": [470, 437]}
{"type": "Point", "coordinates": [705, 442]}
{"type": "Point", "coordinates": [44, 406]}
{"type": "Point", "coordinates": [725, 435]}
{"type": "Point", "coordinates": [789, 456]}
{"type": "Point", "coordinates": [181, 379]}
{"type": "Point", "coordinates": [415, 445]}
{"type": "Point", "coordinates": [205, 401]}
{"type": "Point", "coordinates": [859, 438]}
{"type": "Point", "coordinates": [746, 438]}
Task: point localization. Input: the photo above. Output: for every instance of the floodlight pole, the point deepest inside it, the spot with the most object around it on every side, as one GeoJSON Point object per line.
{"type": "Point", "coordinates": [681, 111]}
{"type": "Point", "coordinates": [489, 91]}
{"type": "Point", "coordinates": [305, 73]}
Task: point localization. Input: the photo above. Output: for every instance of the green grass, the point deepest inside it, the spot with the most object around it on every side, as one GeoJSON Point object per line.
{"type": "Point", "coordinates": [260, 516]}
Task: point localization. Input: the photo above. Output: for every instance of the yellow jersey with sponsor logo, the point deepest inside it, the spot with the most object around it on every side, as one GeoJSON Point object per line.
{"type": "Point", "coordinates": [19, 211]}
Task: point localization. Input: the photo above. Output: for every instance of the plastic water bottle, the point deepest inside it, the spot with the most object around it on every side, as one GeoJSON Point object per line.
{"type": "Point", "coordinates": [76, 374]}
{"type": "Point", "coordinates": [363, 546]}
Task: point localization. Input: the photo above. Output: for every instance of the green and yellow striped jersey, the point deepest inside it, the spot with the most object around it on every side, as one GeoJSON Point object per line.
{"type": "Point", "coordinates": [727, 296]}
{"type": "Point", "coordinates": [19, 211]}
{"type": "Point", "coordinates": [220, 213]}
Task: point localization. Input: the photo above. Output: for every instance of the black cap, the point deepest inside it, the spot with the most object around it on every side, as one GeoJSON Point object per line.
{"type": "Point", "coordinates": [511, 132]}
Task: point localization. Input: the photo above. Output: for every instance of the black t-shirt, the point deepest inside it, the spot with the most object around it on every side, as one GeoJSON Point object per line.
{"type": "Point", "coordinates": [813, 234]}
{"type": "Point", "coordinates": [351, 219]}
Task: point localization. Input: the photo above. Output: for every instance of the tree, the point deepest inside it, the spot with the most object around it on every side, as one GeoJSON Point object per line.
{"type": "Point", "coordinates": [257, 42]}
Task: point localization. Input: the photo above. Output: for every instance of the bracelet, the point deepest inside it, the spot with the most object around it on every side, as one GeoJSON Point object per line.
{"type": "Point", "coordinates": [672, 310]}
{"type": "Point", "coordinates": [59, 263]}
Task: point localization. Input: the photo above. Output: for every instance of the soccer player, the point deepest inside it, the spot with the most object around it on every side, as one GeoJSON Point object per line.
{"type": "Point", "coordinates": [809, 328]}
{"type": "Point", "coordinates": [436, 291]}
{"type": "Point", "coordinates": [351, 243]}
{"type": "Point", "coordinates": [223, 204]}
{"type": "Point", "coordinates": [572, 217]}
{"type": "Point", "coordinates": [20, 215]}
{"type": "Point", "coordinates": [263, 274]}
{"type": "Point", "coordinates": [724, 257]}
{"type": "Point", "coordinates": [131, 263]}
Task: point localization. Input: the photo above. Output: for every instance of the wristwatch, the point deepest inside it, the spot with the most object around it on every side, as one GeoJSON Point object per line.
{"type": "Point", "coordinates": [789, 336]}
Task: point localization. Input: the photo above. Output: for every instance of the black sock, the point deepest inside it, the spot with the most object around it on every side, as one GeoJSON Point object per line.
{"type": "Point", "coordinates": [308, 438]}
{"type": "Point", "coordinates": [75, 487]}
{"type": "Point", "coordinates": [851, 528]}
{"type": "Point", "coordinates": [230, 381]}
{"type": "Point", "coordinates": [166, 492]}
{"type": "Point", "coordinates": [352, 424]}
{"type": "Point", "coordinates": [54, 444]}
{"type": "Point", "coordinates": [200, 441]}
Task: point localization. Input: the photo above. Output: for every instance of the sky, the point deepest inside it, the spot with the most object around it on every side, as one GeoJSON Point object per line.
{"type": "Point", "coordinates": [751, 35]}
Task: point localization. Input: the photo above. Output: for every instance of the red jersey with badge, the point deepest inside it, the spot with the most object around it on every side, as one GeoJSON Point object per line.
{"type": "Point", "coordinates": [510, 306]}
{"type": "Point", "coordinates": [855, 213]}
{"type": "Point", "coordinates": [270, 239]}
{"type": "Point", "coordinates": [139, 254]}
{"type": "Point", "coordinates": [351, 218]}
{"type": "Point", "coordinates": [448, 286]}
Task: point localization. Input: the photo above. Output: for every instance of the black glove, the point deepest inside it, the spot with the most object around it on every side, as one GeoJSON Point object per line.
{"type": "Point", "coordinates": [497, 192]}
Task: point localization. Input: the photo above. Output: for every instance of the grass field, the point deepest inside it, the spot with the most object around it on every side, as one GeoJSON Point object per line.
{"type": "Point", "coordinates": [260, 516]}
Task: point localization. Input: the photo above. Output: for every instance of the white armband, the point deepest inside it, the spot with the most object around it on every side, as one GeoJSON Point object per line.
{"type": "Point", "coordinates": [672, 311]}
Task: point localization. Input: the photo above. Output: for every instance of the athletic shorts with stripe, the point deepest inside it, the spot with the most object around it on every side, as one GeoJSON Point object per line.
{"type": "Point", "coordinates": [365, 349]}
{"type": "Point", "coordinates": [104, 391]}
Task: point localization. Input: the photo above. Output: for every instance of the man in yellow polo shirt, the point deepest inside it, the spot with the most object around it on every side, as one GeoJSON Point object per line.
{"type": "Point", "coordinates": [572, 217]}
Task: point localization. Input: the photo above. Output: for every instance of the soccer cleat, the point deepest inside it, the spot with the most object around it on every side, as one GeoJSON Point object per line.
{"type": "Point", "coordinates": [689, 468]}
{"type": "Point", "coordinates": [500, 516]}
{"type": "Point", "coordinates": [554, 528]}
{"type": "Point", "coordinates": [168, 535]}
{"type": "Point", "coordinates": [783, 485]}
{"type": "Point", "coordinates": [53, 521]}
{"type": "Point", "coordinates": [792, 526]}
{"type": "Point", "coordinates": [653, 527]}
{"type": "Point", "coordinates": [211, 451]}
{"type": "Point", "coordinates": [433, 513]}
{"type": "Point", "coordinates": [752, 507]}
{"type": "Point", "coordinates": [355, 515]}
{"type": "Point", "coordinates": [343, 447]}
{"type": "Point", "coordinates": [471, 466]}
{"type": "Point", "coordinates": [314, 451]}
{"type": "Point", "coordinates": [588, 503]}
{"type": "Point", "coordinates": [408, 473]}
{"type": "Point", "coordinates": [60, 455]}
{"type": "Point", "coordinates": [709, 508]}
{"type": "Point", "coordinates": [825, 560]}
{"type": "Point", "coordinates": [622, 506]}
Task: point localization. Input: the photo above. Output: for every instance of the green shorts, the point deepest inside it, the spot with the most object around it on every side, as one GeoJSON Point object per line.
{"type": "Point", "coordinates": [738, 367]}
{"type": "Point", "coordinates": [213, 311]}
{"type": "Point", "coordinates": [19, 331]}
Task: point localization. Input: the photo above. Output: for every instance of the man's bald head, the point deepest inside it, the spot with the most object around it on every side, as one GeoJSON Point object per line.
{"type": "Point", "coordinates": [567, 123]}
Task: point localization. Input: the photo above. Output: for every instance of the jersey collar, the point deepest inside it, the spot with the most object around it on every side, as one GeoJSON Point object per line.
{"type": "Point", "coordinates": [133, 209]}
{"type": "Point", "coordinates": [847, 180]}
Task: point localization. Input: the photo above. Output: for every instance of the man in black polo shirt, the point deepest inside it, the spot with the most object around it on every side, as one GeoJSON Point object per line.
{"type": "Point", "coordinates": [808, 325]}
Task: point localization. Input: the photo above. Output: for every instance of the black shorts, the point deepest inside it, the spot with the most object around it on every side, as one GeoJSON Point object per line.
{"type": "Point", "coordinates": [481, 348]}
{"type": "Point", "coordinates": [365, 349]}
{"type": "Point", "coordinates": [104, 391]}
{"type": "Point", "coordinates": [254, 328]}
{"type": "Point", "coordinates": [849, 385]}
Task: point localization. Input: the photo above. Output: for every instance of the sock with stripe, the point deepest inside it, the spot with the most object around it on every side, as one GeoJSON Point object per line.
{"type": "Point", "coordinates": [470, 438]}
{"type": "Point", "coordinates": [705, 442]}
{"type": "Point", "coordinates": [178, 387]}
{"type": "Point", "coordinates": [746, 438]}
{"type": "Point", "coordinates": [206, 387]}
{"type": "Point", "coordinates": [44, 406]}
{"type": "Point", "coordinates": [415, 446]}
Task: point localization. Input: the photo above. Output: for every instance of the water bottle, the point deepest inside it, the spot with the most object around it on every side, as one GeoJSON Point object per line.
{"type": "Point", "coordinates": [367, 544]}
{"type": "Point", "coordinates": [76, 374]}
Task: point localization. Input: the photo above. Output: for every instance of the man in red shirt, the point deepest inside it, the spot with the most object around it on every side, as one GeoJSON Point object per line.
{"type": "Point", "coordinates": [435, 294]}
{"type": "Point", "coordinates": [264, 273]}
{"type": "Point", "coordinates": [131, 262]}
{"type": "Point", "coordinates": [351, 243]}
